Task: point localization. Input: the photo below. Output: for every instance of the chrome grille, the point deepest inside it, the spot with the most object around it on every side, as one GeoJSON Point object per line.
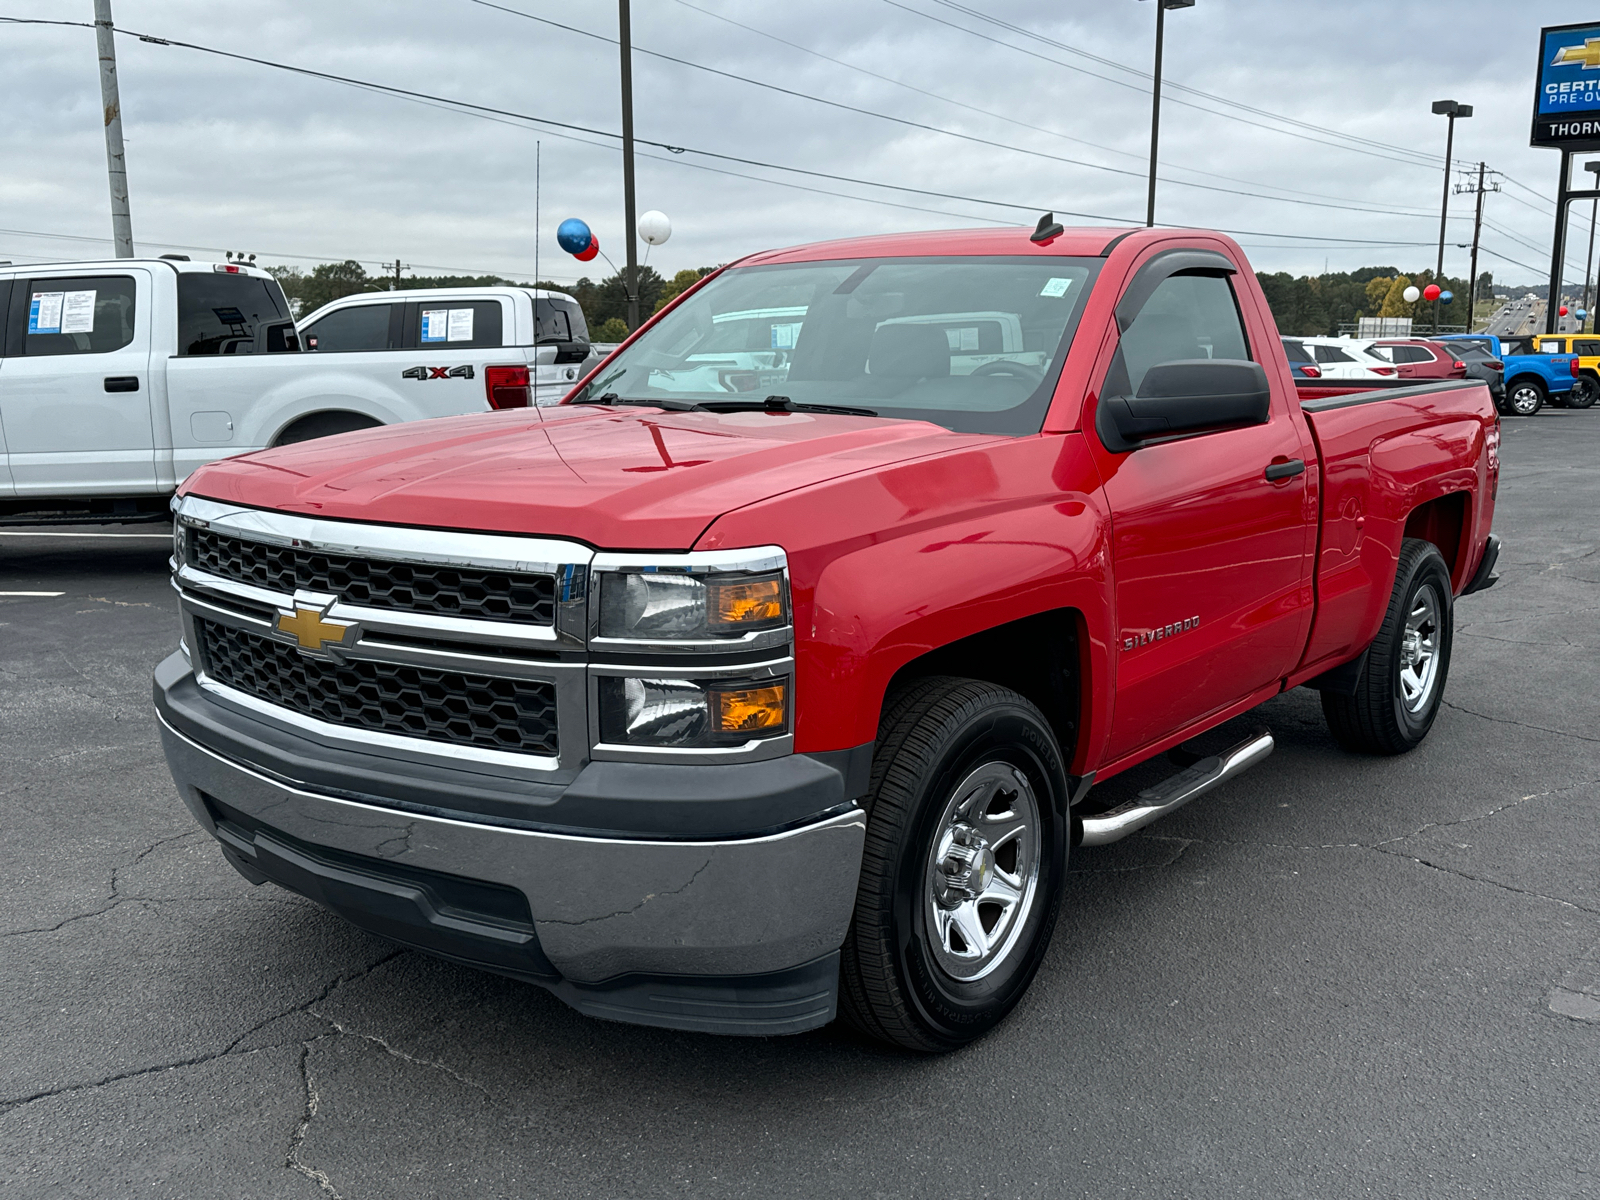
{"type": "Point", "coordinates": [434, 589]}
{"type": "Point", "coordinates": [455, 707]}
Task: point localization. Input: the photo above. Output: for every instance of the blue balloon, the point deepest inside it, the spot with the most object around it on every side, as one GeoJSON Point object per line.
{"type": "Point", "coordinates": [1582, 315]}
{"type": "Point", "coordinates": [573, 235]}
{"type": "Point", "coordinates": [1446, 297]}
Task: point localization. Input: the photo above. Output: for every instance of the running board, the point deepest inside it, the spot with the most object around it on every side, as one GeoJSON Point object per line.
{"type": "Point", "coordinates": [1153, 803]}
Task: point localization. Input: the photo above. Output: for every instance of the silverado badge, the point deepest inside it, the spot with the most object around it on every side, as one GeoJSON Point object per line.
{"type": "Point", "coordinates": [306, 626]}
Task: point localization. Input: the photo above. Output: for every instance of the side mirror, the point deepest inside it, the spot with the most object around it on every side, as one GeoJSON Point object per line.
{"type": "Point", "coordinates": [1188, 396]}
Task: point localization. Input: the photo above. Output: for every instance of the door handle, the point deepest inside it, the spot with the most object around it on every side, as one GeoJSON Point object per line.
{"type": "Point", "coordinates": [1285, 470]}
{"type": "Point", "coordinates": [122, 383]}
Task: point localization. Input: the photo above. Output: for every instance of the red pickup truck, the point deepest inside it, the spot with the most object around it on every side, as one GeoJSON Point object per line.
{"type": "Point", "coordinates": [767, 676]}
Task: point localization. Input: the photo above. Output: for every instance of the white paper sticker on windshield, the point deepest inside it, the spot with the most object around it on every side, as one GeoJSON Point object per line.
{"type": "Point", "coordinates": [434, 321]}
{"type": "Point", "coordinates": [77, 313]}
{"type": "Point", "coordinates": [460, 325]}
{"type": "Point", "coordinates": [44, 314]}
{"type": "Point", "coordinates": [1056, 287]}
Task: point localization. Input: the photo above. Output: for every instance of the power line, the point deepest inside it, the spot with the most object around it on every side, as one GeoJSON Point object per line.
{"type": "Point", "coordinates": [988, 143]}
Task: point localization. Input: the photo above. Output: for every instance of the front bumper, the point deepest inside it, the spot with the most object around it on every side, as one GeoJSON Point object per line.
{"type": "Point", "coordinates": [734, 934]}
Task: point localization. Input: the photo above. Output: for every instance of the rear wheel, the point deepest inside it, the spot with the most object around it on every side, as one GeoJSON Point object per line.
{"type": "Point", "coordinates": [1525, 397]}
{"type": "Point", "coordinates": [965, 852]}
{"type": "Point", "coordinates": [1402, 682]}
{"type": "Point", "coordinates": [1585, 391]}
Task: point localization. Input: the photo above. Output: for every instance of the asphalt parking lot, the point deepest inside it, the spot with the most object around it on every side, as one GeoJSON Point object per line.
{"type": "Point", "coordinates": [1334, 977]}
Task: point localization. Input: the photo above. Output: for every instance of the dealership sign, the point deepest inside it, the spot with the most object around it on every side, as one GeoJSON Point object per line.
{"type": "Point", "coordinates": [1566, 109]}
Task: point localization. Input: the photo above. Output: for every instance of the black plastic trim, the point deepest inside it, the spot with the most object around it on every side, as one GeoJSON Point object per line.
{"type": "Point", "coordinates": [1385, 391]}
{"type": "Point", "coordinates": [1162, 267]}
{"type": "Point", "coordinates": [1342, 679]}
{"type": "Point", "coordinates": [1484, 577]}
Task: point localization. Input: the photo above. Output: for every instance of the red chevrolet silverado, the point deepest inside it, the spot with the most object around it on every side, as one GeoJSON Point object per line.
{"type": "Point", "coordinates": [766, 677]}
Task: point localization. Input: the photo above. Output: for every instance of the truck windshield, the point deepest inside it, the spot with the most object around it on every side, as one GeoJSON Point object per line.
{"type": "Point", "coordinates": [973, 344]}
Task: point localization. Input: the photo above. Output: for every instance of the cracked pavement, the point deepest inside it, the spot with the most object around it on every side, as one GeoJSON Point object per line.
{"type": "Point", "coordinates": [1332, 977]}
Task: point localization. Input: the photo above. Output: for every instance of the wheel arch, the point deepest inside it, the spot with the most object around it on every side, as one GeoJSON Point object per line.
{"type": "Point", "coordinates": [1445, 522]}
{"type": "Point", "coordinates": [336, 420]}
{"type": "Point", "coordinates": [1528, 377]}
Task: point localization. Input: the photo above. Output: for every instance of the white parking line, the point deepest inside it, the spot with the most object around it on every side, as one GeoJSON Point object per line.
{"type": "Point", "coordinates": [165, 537]}
{"type": "Point", "coordinates": [32, 593]}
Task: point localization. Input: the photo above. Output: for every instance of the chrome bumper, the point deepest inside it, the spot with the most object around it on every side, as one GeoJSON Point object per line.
{"type": "Point", "coordinates": [601, 907]}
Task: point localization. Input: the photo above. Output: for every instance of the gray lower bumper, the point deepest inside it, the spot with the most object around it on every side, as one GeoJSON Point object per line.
{"type": "Point", "coordinates": [601, 908]}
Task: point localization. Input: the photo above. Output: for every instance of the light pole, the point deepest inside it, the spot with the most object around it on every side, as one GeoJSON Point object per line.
{"type": "Point", "coordinates": [1592, 166]}
{"type": "Point", "coordinates": [625, 37]}
{"type": "Point", "coordinates": [1155, 100]}
{"type": "Point", "coordinates": [1446, 108]}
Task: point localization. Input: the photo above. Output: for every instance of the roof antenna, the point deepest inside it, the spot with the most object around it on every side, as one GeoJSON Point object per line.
{"type": "Point", "coordinates": [1048, 228]}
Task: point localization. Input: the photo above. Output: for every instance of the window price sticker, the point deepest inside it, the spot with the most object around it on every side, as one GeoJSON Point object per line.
{"type": "Point", "coordinates": [1055, 287]}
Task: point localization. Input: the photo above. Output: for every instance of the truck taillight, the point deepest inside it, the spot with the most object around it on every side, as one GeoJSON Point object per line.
{"type": "Point", "coordinates": [507, 386]}
{"type": "Point", "coordinates": [1573, 367]}
{"type": "Point", "coordinates": [1311, 370]}
{"type": "Point", "coordinates": [227, 269]}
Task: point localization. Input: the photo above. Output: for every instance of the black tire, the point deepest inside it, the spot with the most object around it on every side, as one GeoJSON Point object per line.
{"type": "Point", "coordinates": [323, 424]}
{"type": "Point", "coordinates": [1585, 391]}
{"type": "Point", "coordinates": [1383, 717]}
{"type": "Point", "coordinates": [936, 736]}
{"type": "Point", "coordinates": [1524, 397]}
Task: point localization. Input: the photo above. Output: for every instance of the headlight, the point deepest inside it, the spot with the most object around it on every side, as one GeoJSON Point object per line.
{"type": "Point", "coordinates": [713, 599]}
{"type": "Point", "coordinates": [690, 713]}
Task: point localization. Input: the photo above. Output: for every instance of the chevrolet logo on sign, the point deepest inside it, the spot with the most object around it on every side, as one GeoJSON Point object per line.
{"type": "Point", "coordinates": [307, 627]}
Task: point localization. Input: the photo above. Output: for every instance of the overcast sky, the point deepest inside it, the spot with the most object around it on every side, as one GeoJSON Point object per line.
{"type": "Point", "coordinates": [224, 154]}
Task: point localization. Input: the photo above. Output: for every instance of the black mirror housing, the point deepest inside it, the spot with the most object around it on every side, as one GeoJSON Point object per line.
{"type": "Point", "coordinates": [1187, 396]}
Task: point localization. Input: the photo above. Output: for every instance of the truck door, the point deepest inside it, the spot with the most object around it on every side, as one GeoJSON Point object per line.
{"type": "Point", "coordinates": [75, 392]}
{"type": "Point", "coordinates": [448, 345]}
{"type": "Point", "coordinates": [1211, 554]}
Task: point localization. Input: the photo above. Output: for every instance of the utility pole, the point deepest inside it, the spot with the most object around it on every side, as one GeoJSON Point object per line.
{"type": "Point", "coordinates": [631, 283]}
{"type": "Point", "coordinates": [1593, 166]}
{"type": "Point", "coordinates": [1155, 100]}
{"type": "Point", "coordinates": [1558, 251]}
{"type": "Point", "coordinates": [398, 267]}
{"type": "Point", "coordinates": [116, 163]}
{"type": "Point", "coordinates": [1446, 108]}
{"type": "Point", "coordinates": [1477, 230]}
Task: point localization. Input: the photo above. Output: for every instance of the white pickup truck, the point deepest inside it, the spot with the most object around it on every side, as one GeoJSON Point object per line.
{"type": "Point", "coordinates": [119, 378]}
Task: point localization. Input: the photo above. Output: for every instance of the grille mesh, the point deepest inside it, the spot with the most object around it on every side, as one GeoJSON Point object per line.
{"type": "Point", "coordinates": [407, 587]}
{"type": "Point", "coordinates": [441, 706]}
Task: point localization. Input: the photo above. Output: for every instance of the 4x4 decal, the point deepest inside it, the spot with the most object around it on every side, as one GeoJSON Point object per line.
{"type": "Point", "coordinates": [462, 372]}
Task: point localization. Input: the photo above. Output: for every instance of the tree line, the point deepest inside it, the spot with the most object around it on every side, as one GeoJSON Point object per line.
{"type": "Point", "coordinates": [604, 303]}
{"type": "Point", "coordinates": [1308, 305]}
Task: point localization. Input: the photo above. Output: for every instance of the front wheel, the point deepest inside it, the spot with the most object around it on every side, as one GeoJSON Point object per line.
{"type": "Point", "coordinates": [1402, 681]}
{"type": "Point", "coordinates": [1525, 397]}
{"type": "Point", "coordinates": [1585, 391]}
{"type": "Point", "coordinates": [966, 847]}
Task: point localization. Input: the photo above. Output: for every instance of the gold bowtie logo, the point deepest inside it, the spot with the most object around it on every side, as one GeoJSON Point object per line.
{"type": "Point", "coordinates": [306, 626]}
{"type": "Point", "coordinates": [1588, 54]}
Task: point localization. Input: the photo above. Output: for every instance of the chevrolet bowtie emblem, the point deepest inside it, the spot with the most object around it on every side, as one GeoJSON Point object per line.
{"type": "Point", "coordinates": [1588, 54]}
{"type": "Point", "coordinates": [306, 626]}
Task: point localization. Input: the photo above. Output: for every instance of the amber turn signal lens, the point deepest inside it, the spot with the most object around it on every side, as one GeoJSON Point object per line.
{"type": "Point", "coordinates": [751, 709]}
{"type": "Point", "coordinates": [750, 603]}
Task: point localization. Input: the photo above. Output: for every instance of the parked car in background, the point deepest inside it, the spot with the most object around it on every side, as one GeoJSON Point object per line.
{"type": "Point", "coordinates": [1587, 389]}
{"type": "Point", "coordinates": [1418, 358]}
{"type": "Point", "coordinates": [1344, 358]}
{"type": "Point", "coordinates": [119, 378]}
{"type": "Point", "coordinates": [726, 711]}
{"type": "Point", "coordinates": [1302, 364]}
{"type": "Point", "coordinates": [1482, 365]}
{"type": "Point", "coordinates": [1531, 378]}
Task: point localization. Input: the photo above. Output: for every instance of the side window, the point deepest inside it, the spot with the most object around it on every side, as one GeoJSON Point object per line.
{"type": "Point", "coordinates": [1551, 347]}
{"type": "Point", "coordinates": [452, 324]}
{"type": "Point", "coordinates": [1296, 352]}
{"type": "Point", "coordinates": [87, 315]}
{"type": "Point", "coordinates": [558, 320]}
{"type": "Point", "coordinates": [1587, 347]}
{"type": "Point", "coordinates": [1327, 354]}
{"type": "Point", "coordinates": [1186, 317]}
{"type": "Point", "coordinates": [230, 314]}
{"type": "Point", "coordinates": [359, 327]}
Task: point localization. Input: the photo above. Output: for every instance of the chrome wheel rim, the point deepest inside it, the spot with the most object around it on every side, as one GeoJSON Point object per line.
{"type": "Point", "coordinates": [1524, 400]}
{"type": "Point", "coordinates": [982, 871]}
{"type": "Point", "coordinates": [1419, 650]}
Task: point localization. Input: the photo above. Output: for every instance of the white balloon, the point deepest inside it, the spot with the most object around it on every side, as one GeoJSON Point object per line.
{"type": "Point", "coordinates": [1412, 295]}
{"type": "Point", "coordinates": [654, 227]}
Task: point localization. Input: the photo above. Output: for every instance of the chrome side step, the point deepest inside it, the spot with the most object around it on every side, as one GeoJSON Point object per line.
{"type": "Point", "coordinates": [1175, 792]}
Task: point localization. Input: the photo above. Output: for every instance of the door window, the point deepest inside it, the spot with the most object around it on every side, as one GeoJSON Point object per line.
{"type": "Point", "coordinates": [452, 324]}
{"type": "Point", "coordinates": [1186, 317]}
{"type": "Point", "coordinates": [558, 320]}
{"type": "Point", "coordinates": [1331, 354]}
{"type": "Point", "coordinates": [1586, 347]}
{"type": "Point", "coordinates": [359, 327]}
{"type": "Point", "coordinates": [89, 315]}
{"type": "Point", "coordinates": [231, 314]}
{"type": "Point", "coordinates": [1296, 352]}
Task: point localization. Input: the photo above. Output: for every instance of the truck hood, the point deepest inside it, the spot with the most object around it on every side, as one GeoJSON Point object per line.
{"type": "Point", "coordinates": [624, 479]}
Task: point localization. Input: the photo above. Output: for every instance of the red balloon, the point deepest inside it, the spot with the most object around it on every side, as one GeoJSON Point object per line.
{"type": "Point", "coordinates": [1562, 310]}
{"type": "Point", "coordinates": [586, 254]}
{"type": "Point", "coordinates": [1431, 292]}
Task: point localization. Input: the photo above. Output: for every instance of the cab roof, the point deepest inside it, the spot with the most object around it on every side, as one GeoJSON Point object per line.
{"type": "Point", "coordinates": [1078, 242]}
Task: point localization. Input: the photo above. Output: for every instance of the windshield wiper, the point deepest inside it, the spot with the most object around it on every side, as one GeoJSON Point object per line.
{"type": "Point", "coordinates": [784, 404]}
{"type": "Point", "coordinates": [611, 398]}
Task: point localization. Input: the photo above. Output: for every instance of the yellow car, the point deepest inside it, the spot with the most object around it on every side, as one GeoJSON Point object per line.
{"type": "Point", "coordinates": [1587, 348]}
